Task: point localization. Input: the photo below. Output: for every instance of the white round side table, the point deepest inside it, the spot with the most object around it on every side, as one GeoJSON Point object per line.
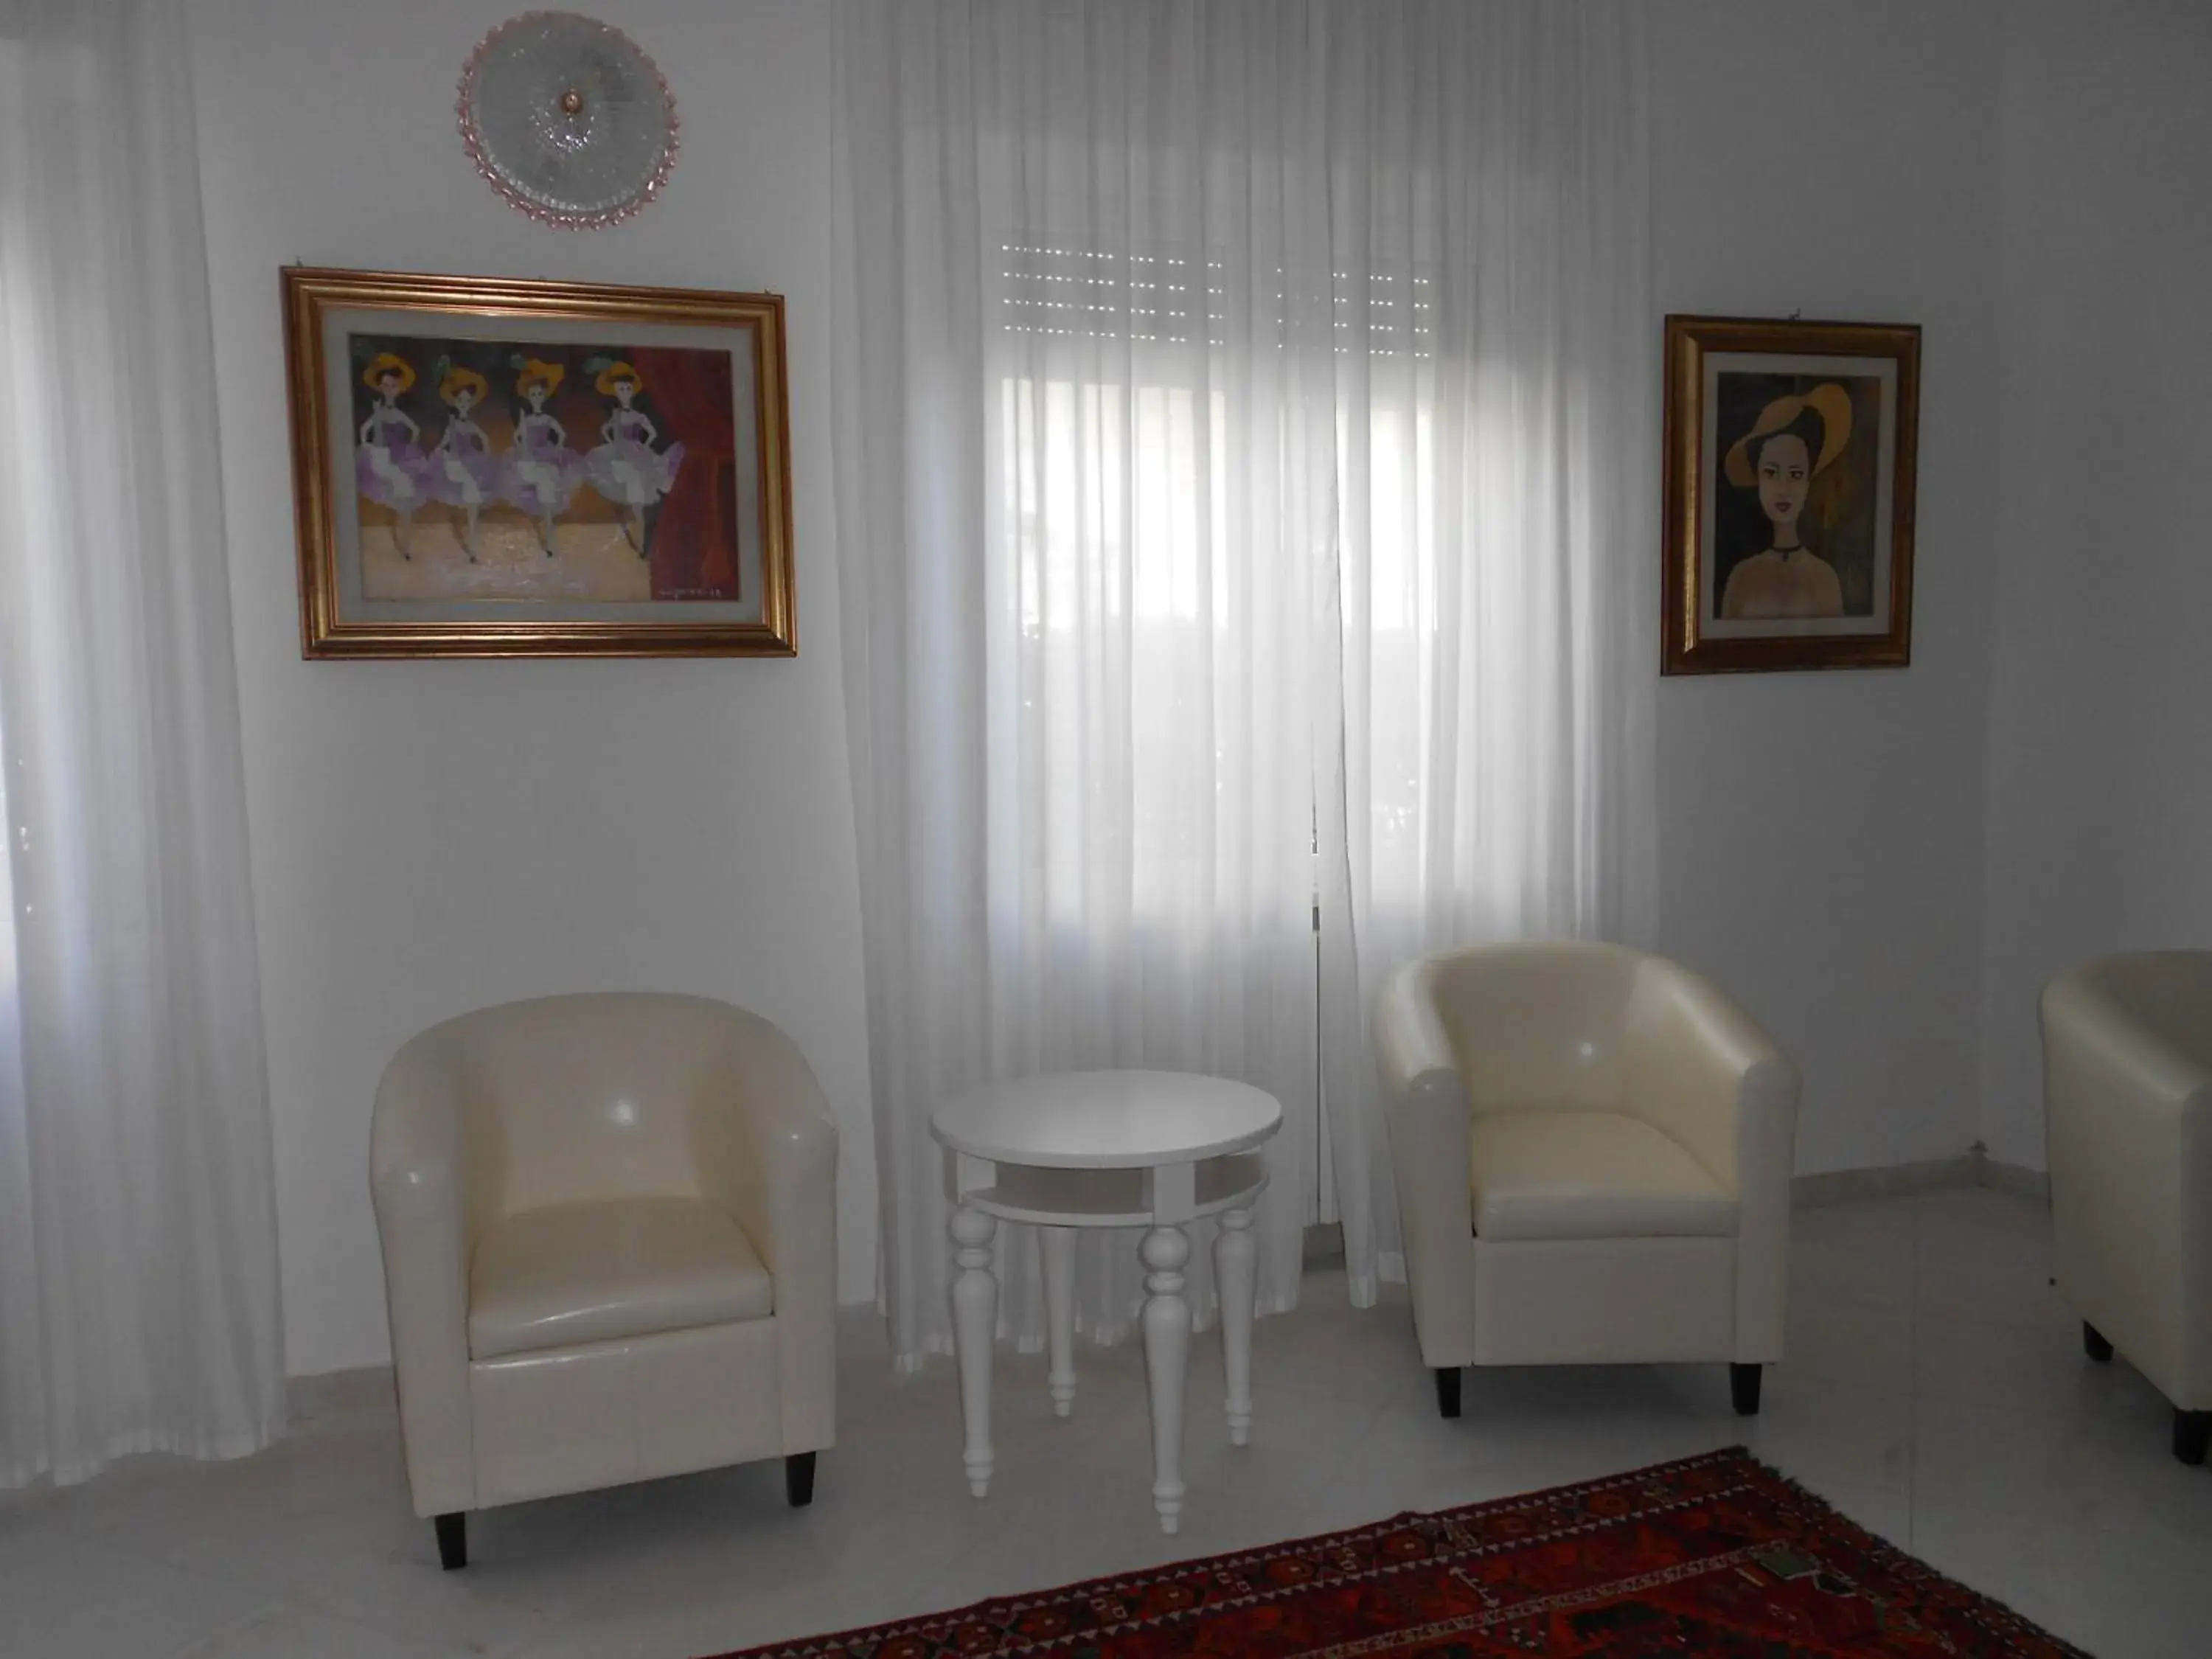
{"type": "Point", "coordinates": [1156, 1150]}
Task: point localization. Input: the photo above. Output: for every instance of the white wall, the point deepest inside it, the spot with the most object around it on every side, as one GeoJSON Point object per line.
{"type": "Point", "coordinates": [1821, 832]}
{"type": "Point", "coordinates": [2100, 805]}
{"type": "Point", "coordinates": [429, 837]}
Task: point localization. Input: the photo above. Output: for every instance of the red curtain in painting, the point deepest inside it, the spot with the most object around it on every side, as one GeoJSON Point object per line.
{"type": "Point", "coordinates": [694, 548]}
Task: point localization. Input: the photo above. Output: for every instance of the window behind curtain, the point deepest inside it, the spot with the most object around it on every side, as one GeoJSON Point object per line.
{"type": "Point", "coordinates": [1106, 465]}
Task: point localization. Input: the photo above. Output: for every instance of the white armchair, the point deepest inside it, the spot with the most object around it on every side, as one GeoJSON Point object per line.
{"type": "Point", "coordinates": [610, 1249]}
{"type": "Point", "coordinates": [1594, 1150]}
{"type": "Point", "coordinates": [2127, 1062]}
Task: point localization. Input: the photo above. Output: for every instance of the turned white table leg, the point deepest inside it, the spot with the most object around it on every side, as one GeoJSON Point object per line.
{"type": "Point", "coordinates": [974, 1322]}
{"type": "Point", "coordinates": [1060, 1315]}
{"type": "Point", "coordinates": [1167, 1351]}
{"type": "Point", "coordinates": [1236, 1267]}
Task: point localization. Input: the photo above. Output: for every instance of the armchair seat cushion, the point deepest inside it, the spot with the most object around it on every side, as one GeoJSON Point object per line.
{"type": "Point", "coordinates": [1589, 1174]}
{"type": "Point", "coordinates": [566, 1274]}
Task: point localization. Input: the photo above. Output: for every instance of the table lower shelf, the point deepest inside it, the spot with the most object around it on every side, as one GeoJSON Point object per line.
{"type": "Point", "coordinates": [1110, 1198]}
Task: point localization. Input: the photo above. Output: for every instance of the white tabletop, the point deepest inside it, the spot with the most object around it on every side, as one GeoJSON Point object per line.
{"type": "Point", "coordinates": [1107, 1120]}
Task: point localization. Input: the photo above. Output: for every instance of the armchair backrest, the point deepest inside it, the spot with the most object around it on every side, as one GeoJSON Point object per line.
{"type": "Point", "coordinates": [580, 1097]}
{"type": "Point", "coordinates": [1537, 1026]}
{"type": "Point", "coordinates": [2168, 993]}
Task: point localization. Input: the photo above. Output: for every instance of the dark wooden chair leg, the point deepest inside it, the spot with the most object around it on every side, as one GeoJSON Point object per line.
{"type": "Point", "coordinates": [1743, 1387]}
{"type": "Point", "coordinates": [452, 1541]}
{"type": "Point", "coordinates": [2192, 1435]}
{"type": "Point", "coordinates": [2093, 1344]}
{"type": "Point", "coordinates": [1448, 1390]}
{"type": "Point", "coordinates": [799, 1480]}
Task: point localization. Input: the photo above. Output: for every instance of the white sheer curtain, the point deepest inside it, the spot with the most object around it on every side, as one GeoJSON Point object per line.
{"type": "Point", "coordinates": [1211, 379]}
{"type": "Point", "coordinates": [1497, 529]}
{"type": "Point", "coordinates": [138, 1289]}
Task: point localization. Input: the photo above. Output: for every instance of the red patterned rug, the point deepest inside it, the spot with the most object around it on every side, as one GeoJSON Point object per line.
{"type": "Point", "coordinates": [1716, 1555]}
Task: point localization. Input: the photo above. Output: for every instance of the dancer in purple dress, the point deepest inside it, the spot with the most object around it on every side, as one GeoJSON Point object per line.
{"type": "Point", "coordinates": [466, 474]}
{"type": "Point", "coordinates": [541, 472]}
{"type": "Point", "coordinates": [625, 468]}
{"type": "Point", "coordinates": [389, 464]}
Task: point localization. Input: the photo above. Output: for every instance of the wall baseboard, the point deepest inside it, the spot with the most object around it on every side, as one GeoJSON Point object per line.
{"type": "Point", "coordinates": [1973, 1168]}
{"type": "Point", "coordinates": [2015, 1178]}
{"type": "Point", "coordinates": [329, 1394]}
{"type": "Point", "coordinates": [1323, 1245]}
{"type": "Point", "coordinates": [1887, 1181]}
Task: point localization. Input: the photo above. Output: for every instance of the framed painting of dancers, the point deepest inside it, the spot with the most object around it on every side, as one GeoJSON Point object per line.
{"type": "Point", "coordinates": [492, 467]}
{"type": "Point", "coordinates": [1790, 457]}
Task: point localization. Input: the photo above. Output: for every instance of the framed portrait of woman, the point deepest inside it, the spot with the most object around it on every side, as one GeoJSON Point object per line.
{"type": "Point", "coordinates": [492, 467]}
{"type": "Point", "coordinates": [1788, 494]}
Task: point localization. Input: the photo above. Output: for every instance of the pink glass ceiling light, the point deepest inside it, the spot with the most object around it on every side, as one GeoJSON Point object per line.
{"type": "Point", "coordinates": [568, 118]}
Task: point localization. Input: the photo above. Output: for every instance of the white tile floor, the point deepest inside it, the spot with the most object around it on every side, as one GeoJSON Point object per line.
{"type": "Point", "coordinates": [1935, 1390]}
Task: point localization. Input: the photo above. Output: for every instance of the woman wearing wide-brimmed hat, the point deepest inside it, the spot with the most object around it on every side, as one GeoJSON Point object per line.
{"type": "Point", "coordinates": [1794, 440]}
{"type": "Point", "coordinates": [390, 466]}
{"type": "Point", "coordinates": [468, 473]}
{"type": "Point", "coordinates": [541, 471]}
{"type": "Point", "coordinates": [626, 468]}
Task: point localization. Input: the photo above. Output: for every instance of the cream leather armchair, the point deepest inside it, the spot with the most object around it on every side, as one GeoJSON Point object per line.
{"type": "Point", "coordinates": [610, 1249]}
{"type": "Point", "coordinates": [1594, 1150]}
{"type": "Point", "coordinates": [2127, 1062]}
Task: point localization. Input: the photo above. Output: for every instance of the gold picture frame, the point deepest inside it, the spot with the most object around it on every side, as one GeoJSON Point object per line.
{"type": "Point", "coordinates": [1790, 456]}
{"type": "Point", "coordinates": [489, 466]}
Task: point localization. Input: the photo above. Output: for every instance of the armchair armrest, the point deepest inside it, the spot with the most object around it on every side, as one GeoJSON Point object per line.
{"type": "Point", "coordinates": [2149, 1084]}
{"type": "Point", "coordinates": [2129, 1118]}
{"type": "Point", "coordinates": [767, 1147]}
{"type": "Point", "coordinates": [1425, 1110]}
{"type": "Point", "coordinates": [418, 1184]}
{"type": "Point", "coordinates": [1698, 1068]}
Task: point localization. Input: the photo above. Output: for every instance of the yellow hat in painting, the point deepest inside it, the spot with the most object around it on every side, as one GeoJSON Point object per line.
{"type": "Point", "coordinates": [387, 363]}
{"type": "Point", "coordinates": [535, 371]}
{"type": "Point", "coordinates": [456, 380]}
{"type": "Point", "coordinates": [1830, 401]}
{"type": "Point", "coordinates": [614, 371]}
